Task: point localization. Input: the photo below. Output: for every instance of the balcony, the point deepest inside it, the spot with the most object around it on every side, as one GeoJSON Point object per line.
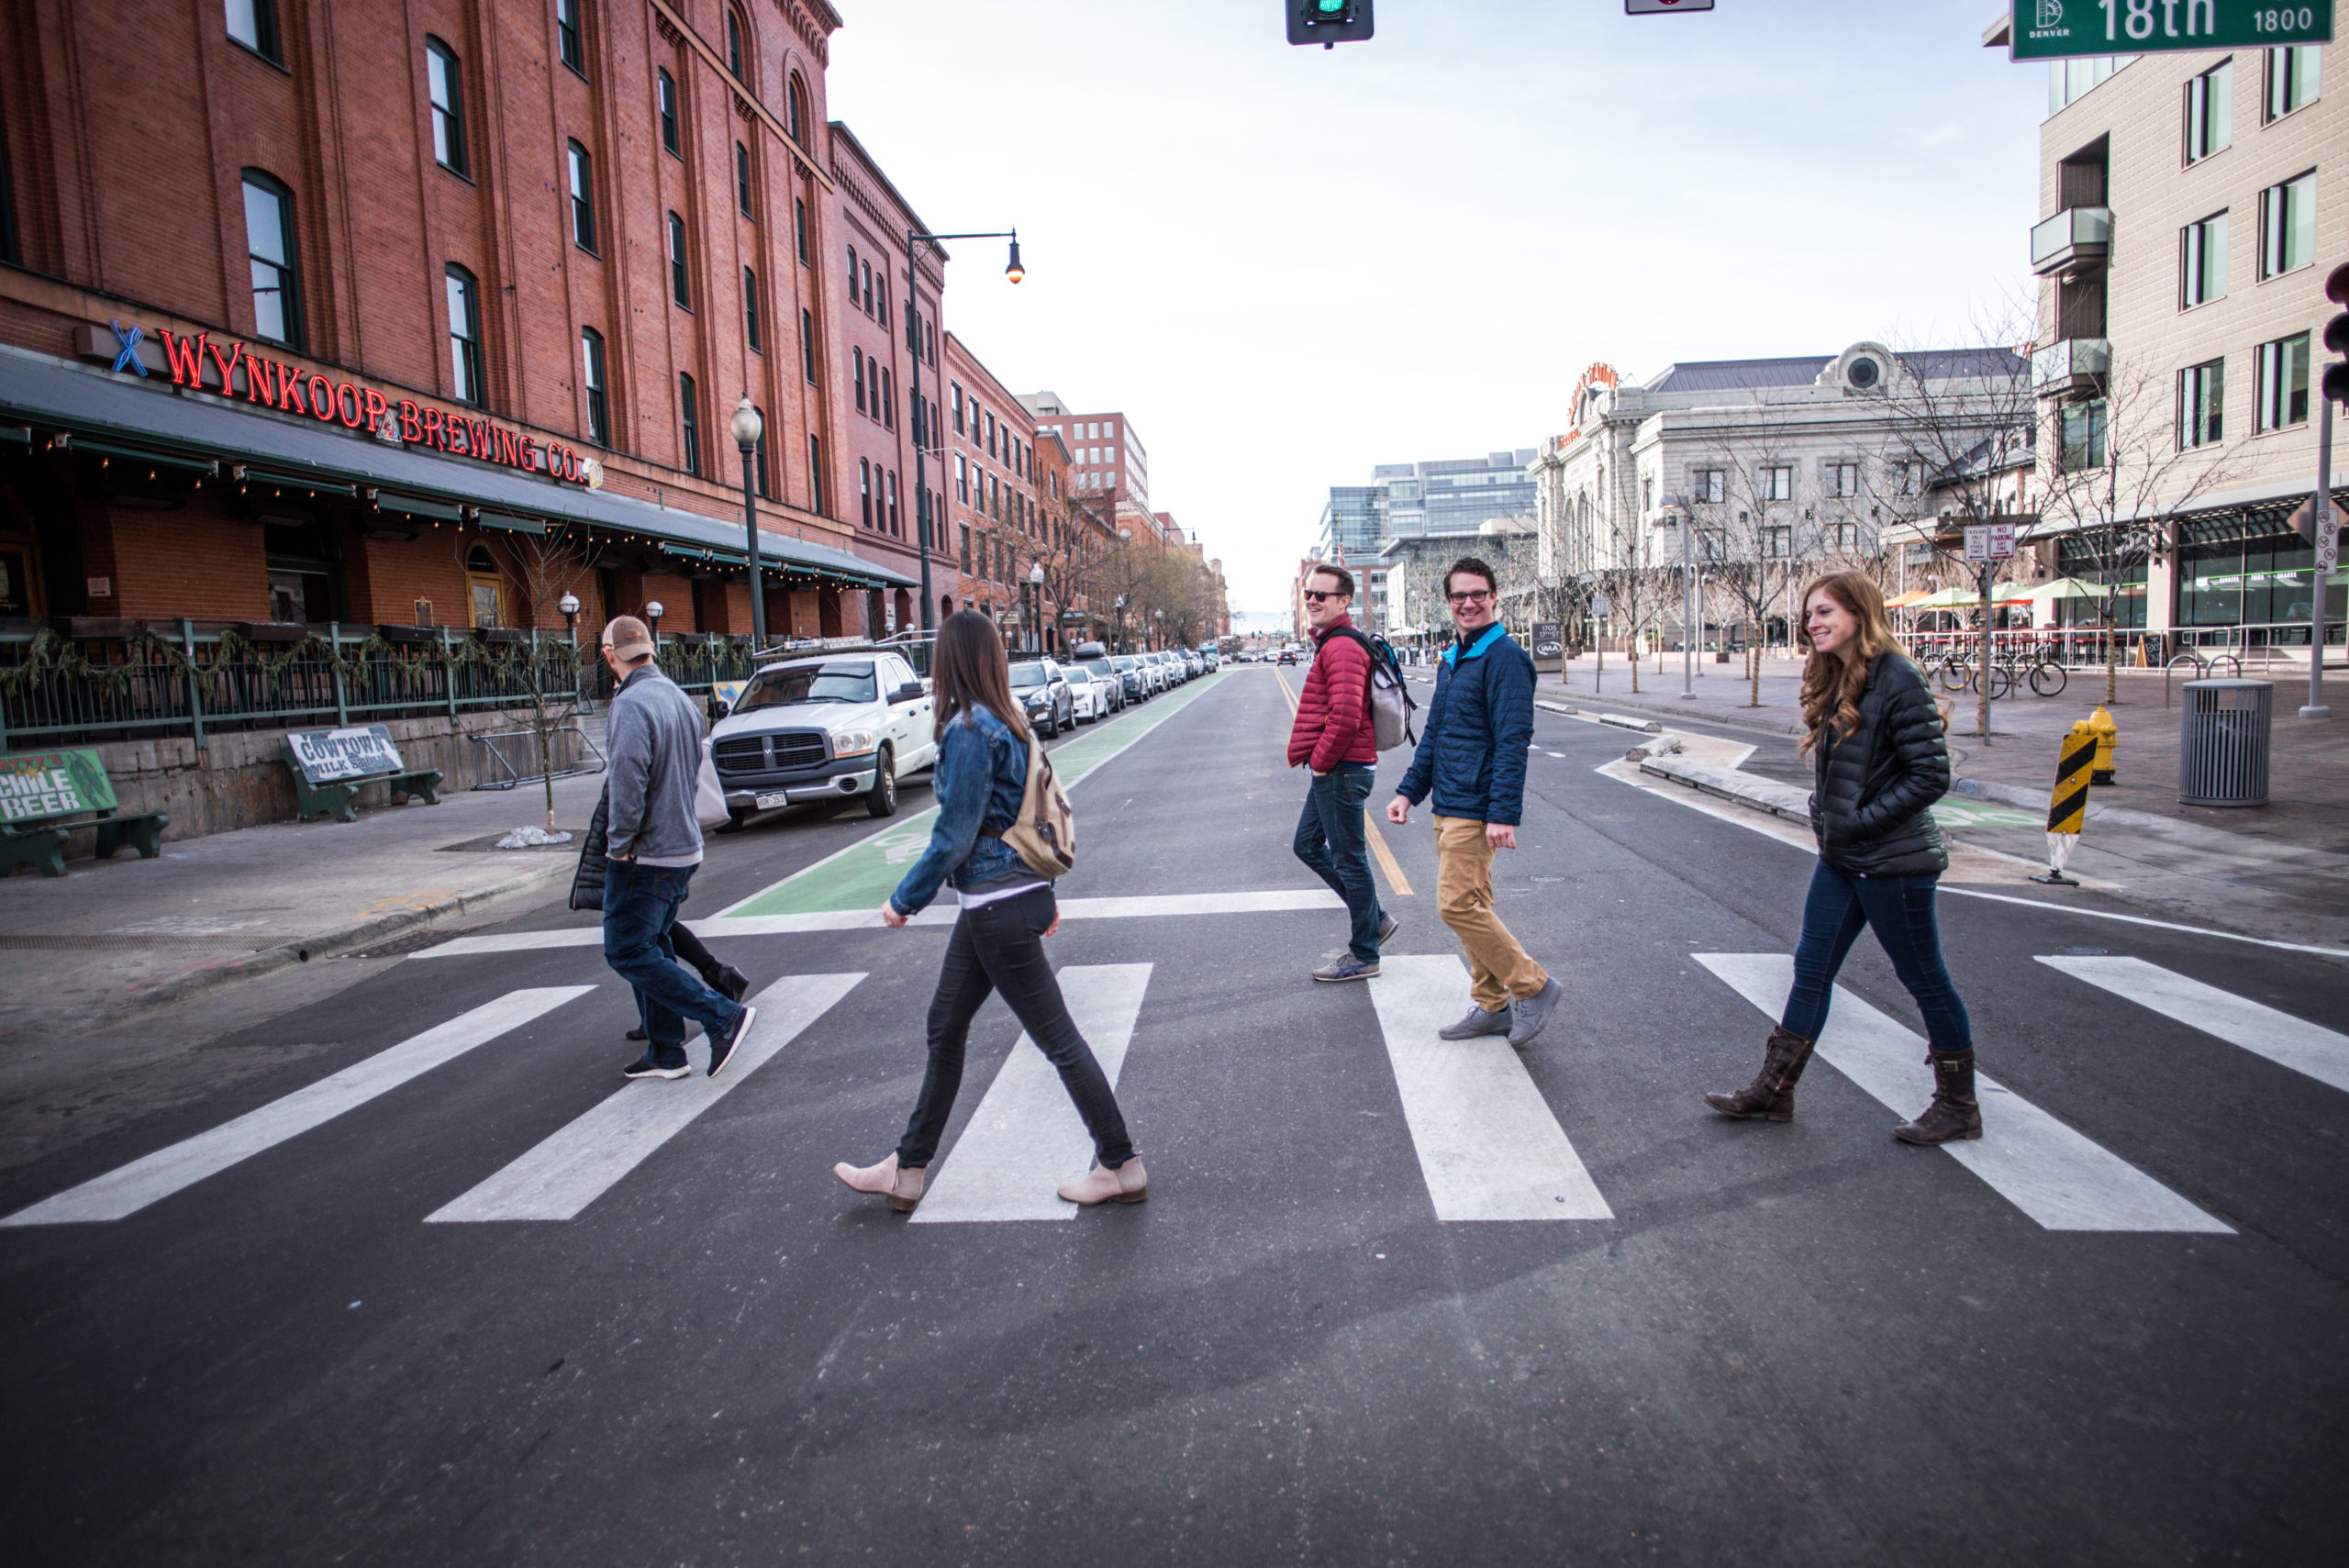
{"type": "Point", "coordinates": [2074, 364]}
{"type": "Point", "coordinates": [2072, 242]}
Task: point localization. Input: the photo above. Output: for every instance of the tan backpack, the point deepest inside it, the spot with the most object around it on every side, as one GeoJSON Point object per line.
{"type": "Point", "coordinates": [1045, 834]}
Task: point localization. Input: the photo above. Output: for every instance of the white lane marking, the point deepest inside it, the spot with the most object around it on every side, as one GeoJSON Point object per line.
{"type": "Point", "coordinates": [2057, 1176]}
{"type": "Point", "coordinates": [2291, 1042]}
{"type": "Point", "coordinates": [2143, 920]}
{"type": "Point", "coordinates": [1025, 1138]}
{"type": "Point", "coordinates": [1488, 1147]}
{"type": "Point", "coordinates": [165, 1172]}
{"type": "Point", "coordinates": [579, 1162]}
{"type": "Point", "coordinates": [1273, 902]}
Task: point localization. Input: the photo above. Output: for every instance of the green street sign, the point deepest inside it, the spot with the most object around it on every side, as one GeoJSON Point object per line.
{"type": "Point", "coordinates": [2058, 29]}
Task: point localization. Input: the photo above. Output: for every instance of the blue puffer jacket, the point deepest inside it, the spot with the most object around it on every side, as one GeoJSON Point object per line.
{"type": "Point", "coordinates": [1471, 753]}
{"type": "Point", "coordinates": [981, 771]}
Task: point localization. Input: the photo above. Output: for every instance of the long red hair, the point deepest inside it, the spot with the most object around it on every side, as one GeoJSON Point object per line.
{"type": "Point", "coordinates": [1832, 683]}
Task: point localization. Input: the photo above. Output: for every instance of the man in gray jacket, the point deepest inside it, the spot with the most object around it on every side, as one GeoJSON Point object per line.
{"type": "Point", "coordinates": [653, 739]}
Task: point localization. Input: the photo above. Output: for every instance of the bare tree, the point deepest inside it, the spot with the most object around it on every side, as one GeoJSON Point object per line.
{"type": "Point", "coordinates": [547, 669]}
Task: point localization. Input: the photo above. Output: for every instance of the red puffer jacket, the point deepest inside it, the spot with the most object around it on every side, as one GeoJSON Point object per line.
{"type": "Point", "coordinates": [1333, 715]}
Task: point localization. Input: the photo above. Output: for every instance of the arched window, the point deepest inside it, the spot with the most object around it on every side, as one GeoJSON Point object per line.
{"type": "Point", "coordinates": [464, 336]}
{"type": "Point", "coordinates": [268, 245]}
{"type": "Point", "coordinates": [734, 61]}
{"type": "Point", "coordinates": [856, 362]}
{"type": "Point", "coordinates": [568, 42]}
{"type": "Point", "coordinates": [582, 199]}
{"type": "Point", "coordinates": [742, 180]}
{"type": "Point", "coordinates": [689, 418]}
{"type": "Point", "coordinates": [796, 105]}
{"type": "Point", "coordinates": [664, 96]}
{"type": "Point", "coordinates": [485, 588]}
{"type": "Point", "coordinates": [889, 399]}
{"type": "Point", "coordinates": [445, 85]}
{"type": "Point", "coordinates": [680, 280]}
{"type": "Point", "coordinates": [895, 527]}
{"type": "Point", "coordinates": [852, 275]}
{"type": "Point", "coordinates": [750, 310]}
{"type": "Point", "coordinates": [760, 452]}
{"type": "Point", "coordinates": [599, 408]}
{"type": "Point", "coordinates": [865, 487]}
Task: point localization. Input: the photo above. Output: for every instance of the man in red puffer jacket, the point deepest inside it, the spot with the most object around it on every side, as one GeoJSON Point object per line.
{"type": "Point", "coordinates": [1333, 738]}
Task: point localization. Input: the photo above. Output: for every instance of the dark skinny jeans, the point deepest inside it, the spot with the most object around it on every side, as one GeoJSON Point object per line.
{"type": "Point", "coordinates": [1900, 909]}
{"type": "Point", "coordinates": [639, 912]}
{"type": "Point", "coordinates": [1333, 841]}
{"type": "Point", "coordinates": [1000, 947]}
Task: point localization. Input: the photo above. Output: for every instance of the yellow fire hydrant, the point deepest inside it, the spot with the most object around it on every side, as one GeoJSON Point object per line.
{"type": "Point", "coordinates": [2100, 725]}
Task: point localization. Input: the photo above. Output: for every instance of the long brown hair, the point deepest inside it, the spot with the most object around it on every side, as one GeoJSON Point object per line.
{"type": "Point", "coordinates": [966, 667]}
{"type": "Point", "coordinates": [1832, 683]}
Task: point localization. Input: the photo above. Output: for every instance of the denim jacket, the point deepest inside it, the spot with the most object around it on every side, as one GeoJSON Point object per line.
{"type": "Point", "coordinates": [982, 773]}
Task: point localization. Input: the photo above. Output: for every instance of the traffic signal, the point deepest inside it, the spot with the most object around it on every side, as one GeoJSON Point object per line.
{"type": "Point", "coordinates": [1328, 22]}
{"type": "Point", "coordinates": [2336, 336]}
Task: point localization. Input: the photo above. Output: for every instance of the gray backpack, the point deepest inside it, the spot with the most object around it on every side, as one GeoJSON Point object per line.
{"type": "Point", "coordinates": [1390, 704]}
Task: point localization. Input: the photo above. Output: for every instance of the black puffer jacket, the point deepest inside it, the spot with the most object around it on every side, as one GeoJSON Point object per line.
{"type": "Point", "coordinates": [587, 883]}
{"type": "Point", "coordinates": [1871, 809]}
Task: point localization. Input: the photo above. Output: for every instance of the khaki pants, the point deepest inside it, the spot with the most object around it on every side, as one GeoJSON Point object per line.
{"type": "Point", "coordinates": [1497, 968]}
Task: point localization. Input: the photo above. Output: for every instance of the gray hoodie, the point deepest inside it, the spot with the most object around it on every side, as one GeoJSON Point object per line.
{"type": "Point", "coordinates": [653, 739]}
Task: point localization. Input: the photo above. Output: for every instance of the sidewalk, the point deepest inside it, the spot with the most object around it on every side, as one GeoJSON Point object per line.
{"type": "Point", "coordinates": [2279, 871]}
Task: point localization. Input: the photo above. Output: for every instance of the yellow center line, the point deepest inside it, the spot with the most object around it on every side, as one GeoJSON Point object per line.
{"type": "Point", "coordinates": [1396, 881]}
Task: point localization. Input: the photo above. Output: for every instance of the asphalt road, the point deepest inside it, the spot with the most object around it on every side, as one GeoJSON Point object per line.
{"type": "Point", "coordinates": [1729, 1343]}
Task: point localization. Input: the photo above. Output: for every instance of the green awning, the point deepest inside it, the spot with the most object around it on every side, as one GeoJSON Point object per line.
{"type": "Point", "coordinates": [410, 507]}
{"type": "Point", "coordinates": [510, 523]}
{"type": "Point", "coordinates": [158, 460]}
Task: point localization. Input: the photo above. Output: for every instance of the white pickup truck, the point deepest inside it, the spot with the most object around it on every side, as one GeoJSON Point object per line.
{"type": "Point", "coordinates": [826, 727]}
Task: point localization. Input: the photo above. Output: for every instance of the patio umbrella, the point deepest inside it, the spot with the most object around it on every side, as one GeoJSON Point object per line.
{"type": "Point", "coordinates": [2062, 588]}
{"type": "Point", "coordinates": [1947, 599]}
{"type": "Point", "coordinates": [1905, 601]}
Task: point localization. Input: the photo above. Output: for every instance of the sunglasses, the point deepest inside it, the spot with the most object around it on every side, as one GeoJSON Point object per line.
{"type": "Point", "coordinates": [1316, 596]}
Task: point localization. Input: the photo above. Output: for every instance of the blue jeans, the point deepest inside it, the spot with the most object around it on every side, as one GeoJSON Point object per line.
{"type": "Point", "coordinates": [639, 905]}
{"type": "Point", "coordinates": [1332, 840]}
{"type": "Point", "coordinates": [1900, 909]}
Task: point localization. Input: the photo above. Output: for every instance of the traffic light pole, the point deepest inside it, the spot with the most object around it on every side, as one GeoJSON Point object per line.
{"type": "Point", "coordinates": [2327, 534]}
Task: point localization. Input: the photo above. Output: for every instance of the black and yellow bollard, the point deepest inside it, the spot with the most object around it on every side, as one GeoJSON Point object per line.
{"type": "Point", "coordinates": [2068, 808]}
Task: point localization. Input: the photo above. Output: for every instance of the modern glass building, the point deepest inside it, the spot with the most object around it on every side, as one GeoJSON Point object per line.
{"type": "Point", "coordinates": [1425, 500]}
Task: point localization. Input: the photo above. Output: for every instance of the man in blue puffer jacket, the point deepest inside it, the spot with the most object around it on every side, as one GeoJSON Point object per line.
{"type": "Point", "coordinates": [1471, 759]}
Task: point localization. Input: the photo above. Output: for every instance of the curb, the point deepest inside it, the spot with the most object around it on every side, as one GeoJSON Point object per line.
{"type": "Point", "coordinates": [1762, 726]}
{"type": "Point", "coordinates": [1760, 795]}
{"type": "Point", "coordinates": [331, 941]}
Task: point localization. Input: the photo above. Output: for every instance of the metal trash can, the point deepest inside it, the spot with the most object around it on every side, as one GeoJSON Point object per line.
{"type": "Point", "coordinates": [2222, 750]}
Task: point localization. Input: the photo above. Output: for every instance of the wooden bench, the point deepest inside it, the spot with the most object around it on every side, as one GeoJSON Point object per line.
{"type": "Point", "coordinates": [329, 765]}
{"type": "Point", "coordinates": [46, 795]}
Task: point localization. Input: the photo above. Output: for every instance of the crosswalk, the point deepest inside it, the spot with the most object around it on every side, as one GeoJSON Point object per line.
{"type": "Point", "coordinates": [1488, 1145]}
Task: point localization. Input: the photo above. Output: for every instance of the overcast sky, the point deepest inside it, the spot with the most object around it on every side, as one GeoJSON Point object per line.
{"type": "Point", "coordinates": [1287, 264]}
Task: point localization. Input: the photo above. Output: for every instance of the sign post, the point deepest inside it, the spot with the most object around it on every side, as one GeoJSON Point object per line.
{"type": "Point", "coordinates": [2062, 29]}
{"type": "Point", "coordinates": [1986, 544]}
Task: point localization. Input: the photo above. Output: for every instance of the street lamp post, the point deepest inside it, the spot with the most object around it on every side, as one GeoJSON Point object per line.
{"type": "Point", "coordinates": [1120, 643]}
{"type": "Point", "coordinates": [1680, 503]}
{"type": "Point", "coordinates": [569, 606]}
{"type": "Point", "coordinates": [924, 524]}
{"type": "Point", "coordinates": [1036, 604]}
{"type": "Point", "coordinates": [653, 614]}
{"type": "Point", "coordinates": [747, 427]}
{"type": "Point", "coordinates": [1158, 639]}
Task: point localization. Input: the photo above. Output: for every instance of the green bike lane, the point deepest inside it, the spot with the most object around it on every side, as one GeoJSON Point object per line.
{"type": "Point", "coordinates": [861, 876]}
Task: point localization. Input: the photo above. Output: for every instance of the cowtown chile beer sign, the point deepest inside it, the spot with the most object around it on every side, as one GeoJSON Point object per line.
{"type": "Point", "coordinates": [290, 389]}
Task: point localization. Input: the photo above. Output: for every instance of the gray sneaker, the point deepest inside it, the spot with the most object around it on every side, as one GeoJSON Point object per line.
{"type": "Point", "coordinates": [1346, 968]}
{"type": "Point", "coordinates": [1388, 925]}
{"type": "Point", "coordinates": [1534, 1011]}
{"type": "Point", "coordinates": [1479, 1021]}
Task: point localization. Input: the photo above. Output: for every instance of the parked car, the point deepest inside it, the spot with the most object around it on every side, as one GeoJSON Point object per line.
{"type": "Point", "coordinates": [828, 728]}
{"type": "Point", "coordinates": [1193, 664]}
{"type": "Point", "coordinates": [1132, 675]}
{"type": "Point", "coordinates": [1109, 690]}
{"type": "Point", "coordinates": [1042, 688]}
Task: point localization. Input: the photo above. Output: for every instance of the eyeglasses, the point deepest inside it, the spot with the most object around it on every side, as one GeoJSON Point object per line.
{"type": "Point", "coordinates": [1318, 596]}
{"type": "Point", "coordinates": [1474, 597]}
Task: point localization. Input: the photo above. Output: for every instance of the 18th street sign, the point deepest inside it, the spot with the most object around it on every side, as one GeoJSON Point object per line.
{"type": "Point", "coordinates": [2055, 30]}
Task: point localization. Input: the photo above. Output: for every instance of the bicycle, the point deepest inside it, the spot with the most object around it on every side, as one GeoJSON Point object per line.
{"type": "Point", "coordinates": [1960, 675]}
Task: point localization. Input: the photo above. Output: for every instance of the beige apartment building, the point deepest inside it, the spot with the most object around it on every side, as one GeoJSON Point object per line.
{"type": "Point", "coordinates": [2196, 204]}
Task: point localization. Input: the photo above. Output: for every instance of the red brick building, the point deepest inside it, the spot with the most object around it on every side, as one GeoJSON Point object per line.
{"type": "Point", "coordinates": [416, 289]}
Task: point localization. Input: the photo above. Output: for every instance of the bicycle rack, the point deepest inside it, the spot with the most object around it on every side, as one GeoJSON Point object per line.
{"type": "Point", "coordinates": [2175, 660]}
{"type": "Point", "coordinates": [515, 775]}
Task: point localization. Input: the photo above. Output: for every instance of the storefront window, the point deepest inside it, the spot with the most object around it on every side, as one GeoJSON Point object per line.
{"type": "Point", "coordinates": [484, 590]}
{"type": "Point", "coordinates": [2260, 577]}
{"type": "Point", "coordinates": [2090, 561]}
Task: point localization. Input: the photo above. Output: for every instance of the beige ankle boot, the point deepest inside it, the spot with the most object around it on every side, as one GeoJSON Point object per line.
{"type": "Point", "coordinates": [902, 1188]}
{"type": "Point", "coordinates": [1127, 1184]}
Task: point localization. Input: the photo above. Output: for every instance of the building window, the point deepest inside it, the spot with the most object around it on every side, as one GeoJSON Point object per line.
{"type": "Point", "coordinates": [884, 299]}
{"type": "Point", "coordinates": [2202, 261]}
{"type": "Point", "coordinates": [1777, 483]}
{"type": "Point", "coordinates": [868, 288]}
{"type": "Point", "coordinates": [966, 546]}
{"type": "Point", "coordinates": [2288, 226]}
{"type": "Point", "coordinates": [742, 181]}
{"type": "Point", "coordinates": [799, 226]}
{"type": "Point", "coordinates": [895, 525]}
{"type": "Point", "coordinates": [962, 480]}
{"type": "Point", "coordinates": [464, 336]}
{"type": "Point", "coordinates": [1711, 485]}
{"type": "Point", "coordinates": [2292, 75]}
{"type": "Point", "coordinates": [851, 275]}
{"type": "Point", "coordinates": [954, 401]}
{"type": "Point", "coordinates": [253, 23]}
{"type": "Point", "coordinates": [889, 399]}
{"type": "Point", "coordinates": [2201, 404]}
{"type": "Point", "coordinates": [566, 35]}
{"type": "Point", "coordinates": [751, 309]}
{"type": "Point", "coordinates": [808, 345]}
{"type": "Point", "coordinates": [816, 474]}
{"type": "Point", "coordinates": [856, 363]}
{"type": "Point", "coordinates": [759, 454]}
{"type": "Point", "coordinates": [864, 489]}
{"type": "Point", "coordinates": [447, 105]}
{"type": "Point", "coordinates": [680, 283]}
{"type": "Point", "coordinates": [689, 416]}
{"type": "Point", "coordinates": [1843, 479]}
{"type": "Point", "coordinates": [664, 98]}
{"type": "Point", "coordinates": [2209, 111]}
{"type": "Point", "coordinates": [2083, 433]}
{"type": "Point", "coordinates": [796, 110]}
{"type": "Point", "coordinates": [599, 408]}
{"type": "Point", "coordinates": [582, 200]}
{"type": "Point", "coordinates": [268, 245]}
{"type": "Point", "coordinates": [2284, 382]}
{"type": "Point", "coordinates": [734, 44]}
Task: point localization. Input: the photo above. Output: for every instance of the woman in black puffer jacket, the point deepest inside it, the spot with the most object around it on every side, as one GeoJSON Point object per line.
{"type": "Point", "coordinates": [1877, 739]}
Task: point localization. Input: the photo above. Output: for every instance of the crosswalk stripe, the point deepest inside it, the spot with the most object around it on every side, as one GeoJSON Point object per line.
{"type": "Point", "coordinates": [2321, 1053]}
{"type": "Point", "coordinates": [134, 1186]}
{"type": "Point", "coordinates": [579, 1162]}
{"type": "Point", "coordinates": [1026, 1138]}
{"type": "Point", "coordinates": [2059, 1177]}
{"type": "Point", "coordinates": [1488, 1147]}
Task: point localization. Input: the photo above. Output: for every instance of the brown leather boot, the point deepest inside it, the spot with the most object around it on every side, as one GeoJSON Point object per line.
{"type": "Point", "coordinates": [1955, 1112]}
{"type": "Point", "coordinates": [1772, 1093]}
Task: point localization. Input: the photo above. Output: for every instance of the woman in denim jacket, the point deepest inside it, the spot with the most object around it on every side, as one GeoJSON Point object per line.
{"type": "Point", "coordinates": [997, 944]}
